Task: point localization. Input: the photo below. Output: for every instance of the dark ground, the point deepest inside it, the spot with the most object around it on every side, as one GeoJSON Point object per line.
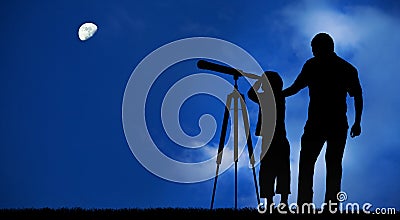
{"type": "Point", "coordinates": [174, 213]}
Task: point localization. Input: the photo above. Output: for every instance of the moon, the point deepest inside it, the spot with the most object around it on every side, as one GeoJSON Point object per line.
{"type": "Point", "coordinates": [86, 31]}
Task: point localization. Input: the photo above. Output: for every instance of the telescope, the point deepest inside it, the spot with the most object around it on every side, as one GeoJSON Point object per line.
{"type": "Point", "coordinates": [236, 98]}
{"type": "Point", "coordinates": [206, 65]}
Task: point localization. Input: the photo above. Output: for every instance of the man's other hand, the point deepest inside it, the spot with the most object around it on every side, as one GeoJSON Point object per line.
{"type": "Point", "coordinates": [355, 130]}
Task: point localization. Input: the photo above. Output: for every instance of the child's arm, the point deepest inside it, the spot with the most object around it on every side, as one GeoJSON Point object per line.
{"type": "Point", "coordinates": [252, 93]}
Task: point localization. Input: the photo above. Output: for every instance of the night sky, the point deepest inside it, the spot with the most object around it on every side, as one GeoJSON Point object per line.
{"type": "Point", "coordinates": [62, 138]}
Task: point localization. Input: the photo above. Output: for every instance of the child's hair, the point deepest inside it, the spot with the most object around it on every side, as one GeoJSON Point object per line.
{"type": "Point", "coordinates": [275, 81]}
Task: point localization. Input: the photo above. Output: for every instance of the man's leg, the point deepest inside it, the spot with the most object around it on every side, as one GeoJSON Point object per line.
{"type": "Point", "coordinates": [311, 145]}
{"type": "Point", "coordinates": [333, 158]}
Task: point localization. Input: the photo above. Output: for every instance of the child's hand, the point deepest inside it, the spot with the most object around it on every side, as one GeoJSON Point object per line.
{"type": "Point", "coordinates": [257, 84]}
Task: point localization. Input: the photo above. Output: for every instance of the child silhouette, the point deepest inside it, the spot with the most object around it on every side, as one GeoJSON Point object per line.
{"type": "Point", "coordinates": [275, 165]}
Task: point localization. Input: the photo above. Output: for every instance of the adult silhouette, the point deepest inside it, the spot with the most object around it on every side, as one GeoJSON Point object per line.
{"type": "Point", "coordinates": [329, 79]}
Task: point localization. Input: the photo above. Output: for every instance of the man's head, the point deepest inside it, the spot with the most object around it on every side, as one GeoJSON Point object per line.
{"type": "Point", "coordinates": [322, 44]}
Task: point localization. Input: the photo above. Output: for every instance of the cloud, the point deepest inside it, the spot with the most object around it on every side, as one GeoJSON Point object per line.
{"type": "Point", "coordinates": [210, 151]}
{"type": "Point", "coordinates": [243, 161]}
{"type": "Point", "coordinates": [369, 38]}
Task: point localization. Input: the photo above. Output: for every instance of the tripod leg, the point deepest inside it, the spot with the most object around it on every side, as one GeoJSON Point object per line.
{"type": "Point", "coordinates": [236, 138]}
{"type": "Point", "coordinates": [223, 129]}
{"type": "Point", "coordinates": [249, 143]}
{"type": "Point", "coordinates": [236, 193]}
{"type": "Point", "coordinates": [221, 145]}
{"type": "Point", "coordinates": [215, 185]}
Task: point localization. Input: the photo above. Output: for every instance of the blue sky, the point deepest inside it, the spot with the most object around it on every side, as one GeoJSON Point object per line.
{"type": "Point", "coordinates": [62, 140]}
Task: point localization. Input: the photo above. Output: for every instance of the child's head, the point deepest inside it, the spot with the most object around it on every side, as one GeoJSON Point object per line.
{"type": "Point", "coordinates": [274, 79]}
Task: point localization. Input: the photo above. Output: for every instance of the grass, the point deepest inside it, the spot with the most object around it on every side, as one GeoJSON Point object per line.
{"type": "Point", "coordinates": [186, 213]}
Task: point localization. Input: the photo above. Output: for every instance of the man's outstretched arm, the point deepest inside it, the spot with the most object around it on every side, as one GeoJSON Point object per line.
{"type": "Point", "coordinates": [291, 90]}
{"type": "Point", "coordinates": [358, 106]}
{"type": "Point", "coordinates": [299, 84]}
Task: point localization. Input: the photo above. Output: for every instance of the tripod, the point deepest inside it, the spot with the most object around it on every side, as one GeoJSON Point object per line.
{"type": "Point", "coordinates": [235, 96]}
